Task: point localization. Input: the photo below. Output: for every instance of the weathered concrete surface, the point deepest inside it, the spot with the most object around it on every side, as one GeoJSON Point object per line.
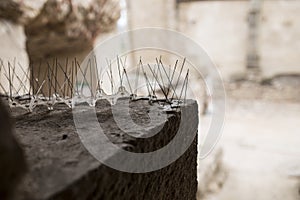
{"type": "Point", "coordinates": [61, 168]}
{"type": "Point", "coordinates": [12, 160]}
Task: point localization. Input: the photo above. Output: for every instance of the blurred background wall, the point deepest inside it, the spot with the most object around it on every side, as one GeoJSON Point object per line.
{"type": "Point", "coordinates": [222, 29]}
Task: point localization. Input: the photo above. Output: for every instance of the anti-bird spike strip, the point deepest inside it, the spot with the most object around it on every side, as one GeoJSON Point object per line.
{"type": "Point", "coordinates": [86, 83]}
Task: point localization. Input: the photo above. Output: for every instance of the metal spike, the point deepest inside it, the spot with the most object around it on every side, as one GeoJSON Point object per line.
{"type": "Point", "coordinates": [72, 78]}
{"type": "Point", "coordinates": [110, 75]}
{"type": "Point", "coordinates": [187, 81]}
{"type": "Point", "coordinates": [158, 83]}
{"type": "Point", "coordinates": [184, 84]}
{"type": "Point", "coordinates": [148, 83]}
{"type": "Point", "coordinates": [137, 78]}
{"type": "Point", "coordinates": [154, 87]}
{"type": "Point", "coordinates": [98, 88]}
{"type": "Point", "coordinates": [67, 77]}
{"type": "Point", "coordinates": [49, 81]}
{"type": "Point", "coordinates": [119, 70]}
{"type": "Point", "coordinates": [10, 84]}
{"type": "Point", "coordinates": [178, 77]}
{"type": "Point", "coordinates": [2, 65]}
{"type": "Point", "coordinates": [55, 78]}
{"type": "Point", "coordinates": [145, 75]}
{"type": "Point", "coordinates": [67, 87]}
{"type": "Point", "coordinates": [84, 78]}
{"type": "Point", "coordinates": [158, 67]}
{"type": "Point", "coordinates": [76, 77]}
{"type": "Point", "coordinates": [168, 78]}
{"type": "Point", "coordinates": [125, 72]}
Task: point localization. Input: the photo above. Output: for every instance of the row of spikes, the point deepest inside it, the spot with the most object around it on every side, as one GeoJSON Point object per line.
{"type": "Point", "coordinates": [32, 86]}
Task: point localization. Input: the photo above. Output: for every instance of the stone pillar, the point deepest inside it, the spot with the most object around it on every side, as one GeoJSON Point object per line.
{"type": "Point", "coordinates": [59, 30]}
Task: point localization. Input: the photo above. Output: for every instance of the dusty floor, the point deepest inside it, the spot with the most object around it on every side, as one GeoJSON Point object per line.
{"type": "Point", "coordinates": [261, 142]}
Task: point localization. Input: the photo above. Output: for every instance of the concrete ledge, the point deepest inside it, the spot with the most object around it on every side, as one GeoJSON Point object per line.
{"type": "Point", "coordinates": [61, 168]}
